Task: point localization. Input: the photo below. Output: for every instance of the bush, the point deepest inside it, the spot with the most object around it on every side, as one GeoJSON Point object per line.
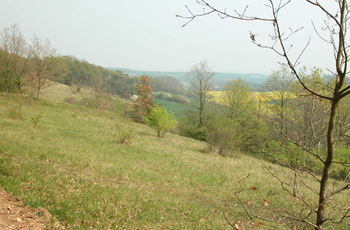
{"type": "Point", "coordinates": [160, 120]}
{"type": "Point", "coordinates": [73, 101]}
{"type": "Point", "coordinates": [294, 156]}
{"type": "Point", "coordinates": [223, 137]}
{"type": "Point", "coordinates": [36, 120]}
{"type": "Point", "coordinates": [188, 127]}
{"type": "Point", "coordinates": [15, 112]}
{"type": "Point", "coordinates": [124, 134]}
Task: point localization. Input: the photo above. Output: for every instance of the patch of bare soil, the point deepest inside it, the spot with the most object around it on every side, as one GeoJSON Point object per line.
{"type": "Point", "coordinates": [15, 215]}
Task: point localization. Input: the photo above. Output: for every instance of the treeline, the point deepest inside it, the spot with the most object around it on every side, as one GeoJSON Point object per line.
{"type": "Point", "coordinates": [30, 67]}
{"type": "Point", "coordinates": [27, 67]}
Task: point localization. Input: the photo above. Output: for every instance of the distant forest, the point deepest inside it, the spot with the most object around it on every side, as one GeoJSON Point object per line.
{"type": "Point", "coordinates": [82, 73]}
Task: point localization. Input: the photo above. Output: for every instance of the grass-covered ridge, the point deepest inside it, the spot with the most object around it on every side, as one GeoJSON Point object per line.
{"type": "Point", "coordinates": [70, 164]}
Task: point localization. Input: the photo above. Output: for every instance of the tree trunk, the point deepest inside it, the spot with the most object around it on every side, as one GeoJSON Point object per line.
{"type": "Point", "coordinates": [37, 93]}
{"type": "Point", "coordinates": [6, 86]}
{"type": "Point", "coordinates": [201, 107]}
{"type": "Point", "coordinates": [327, 165]}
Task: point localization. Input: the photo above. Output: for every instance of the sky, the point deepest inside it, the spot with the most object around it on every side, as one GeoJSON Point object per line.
{"type": "Point", "coordinates": [147, 35]}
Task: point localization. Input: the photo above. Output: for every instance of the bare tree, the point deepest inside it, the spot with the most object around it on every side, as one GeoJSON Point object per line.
{"type": "Point", "coordinates": [42, 65]}
{"type": "Point", "coordinates": [337, 24]}
{"type": "Point", "coordinates": [200, 78]}
{"type": "Point", "coordinates": [278, 87]}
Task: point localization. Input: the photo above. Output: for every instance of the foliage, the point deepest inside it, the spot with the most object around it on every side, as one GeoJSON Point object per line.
{"type": "Point", "coordinates": [167, 84]}
{"type": "Point", "coordinates": [223, 136]}
{"type": "Point", "coordinates": [13, 64]}
{"type": "Point", "coordinates": [83, 74]}
{"type": "Point", "coordinates": [294, 156]}
{"type": "Point", "coordinates": [188, 126]}
{"type": "Point", "coordinates": [160, 120]}
{"type": "Point", "coordinates": [144, 102]}
{"type": "Point", "coordinates": [280, 83]}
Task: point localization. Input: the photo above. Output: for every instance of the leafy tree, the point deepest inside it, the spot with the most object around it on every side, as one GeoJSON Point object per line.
{"type": "Point", "coordinates": [233, 126]}
{"type": "Point", "coordinates": [160, 120]}
{"type": "Point", "coordinates": [13, 48]}
{"type": "Point", "coordinates": [236, 97]}
{"type": "Point", "coordinates": [200, 79]}
{"type": "Point", "coordinates": [144, 102]}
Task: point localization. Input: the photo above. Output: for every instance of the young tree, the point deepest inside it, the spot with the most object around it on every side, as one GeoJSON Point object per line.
{"type": "Point", "coordinates": [200, 78]}
{"type": "Point", "coordinates": [42, 65]}
{"type": "Point", "coordinates": [13, 60]}
{"type": "Point", "coordinates": [232, 126]}
{"type": "Point", "coordinates": [160, 120]}
{"type": "Point", "coordinates": [278, 88]}
{"type": "Point", "coordinates": [144, 102]}
{"type": "Point", "coordinates": [236, 97]}
{"type": "Point", "coordinates": [337, 24]}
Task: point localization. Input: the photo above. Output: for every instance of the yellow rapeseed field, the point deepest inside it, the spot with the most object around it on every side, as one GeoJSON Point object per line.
{"type": "Point", "coordinates": [257, 96]}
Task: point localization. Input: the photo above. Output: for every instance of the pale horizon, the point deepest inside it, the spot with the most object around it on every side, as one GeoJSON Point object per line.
{"type": "Point", "coordinates": [147, 35]}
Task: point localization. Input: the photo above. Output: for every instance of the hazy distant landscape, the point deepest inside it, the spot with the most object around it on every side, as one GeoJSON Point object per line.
{"type": "Point", "coordinates": [220, 79]}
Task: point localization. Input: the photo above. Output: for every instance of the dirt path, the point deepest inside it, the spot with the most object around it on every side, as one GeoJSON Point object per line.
{"type": "Point", "coordinates": [14, 215]}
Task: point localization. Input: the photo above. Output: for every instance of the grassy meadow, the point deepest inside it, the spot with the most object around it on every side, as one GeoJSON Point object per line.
{"type": "Point", "coordinates": [176, 108]}
{"type": "Point", "coordinates": [53, 155]}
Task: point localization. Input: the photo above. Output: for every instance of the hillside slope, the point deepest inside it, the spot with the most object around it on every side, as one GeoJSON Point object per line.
{"type": "Point", "coordinates": [70, 164]}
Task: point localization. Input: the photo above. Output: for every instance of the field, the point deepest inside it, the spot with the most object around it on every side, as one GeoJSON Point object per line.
{"type": "Point", "coordinates": [176, 108]}
{"type": "Point", "coordinates": [70, 163]}
{"type": "Point", "coordinates": [256, 96]}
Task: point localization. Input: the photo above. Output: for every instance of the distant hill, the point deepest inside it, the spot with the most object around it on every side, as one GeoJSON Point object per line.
{"type": "Point", "coordinates": [219, 78]}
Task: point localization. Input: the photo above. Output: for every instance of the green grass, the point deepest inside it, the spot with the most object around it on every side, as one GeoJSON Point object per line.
{"type": "Point", "coordinates": [72, 165]}
{"type": "Point", "coordinates": [176, 108]}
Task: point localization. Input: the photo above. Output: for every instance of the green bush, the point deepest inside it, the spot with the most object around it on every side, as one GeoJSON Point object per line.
{"type": "Point", "coordinates": [296, 157]}
{"type": "Point", "coordinates": [160, 120]}
{"type": "Point", "coordinates": [223, 136]}
{"type": "Point", "coordinates": [188, 127]}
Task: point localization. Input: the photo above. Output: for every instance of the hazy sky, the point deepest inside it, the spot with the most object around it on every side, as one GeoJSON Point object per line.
{"type": "Point", "coordinates": [147, 35]}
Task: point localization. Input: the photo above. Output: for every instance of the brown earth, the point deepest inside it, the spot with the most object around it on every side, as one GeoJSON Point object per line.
{"type": "Point", "coordinates": [15, 215]}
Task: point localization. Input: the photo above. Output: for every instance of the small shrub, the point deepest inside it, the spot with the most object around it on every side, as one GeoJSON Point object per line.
{"type": "Point", "coordinates": [124, 134]}
{"type": "Point", "coordinates": [15, 112]}
{"type": "Point", "coordinates": [73, 101]}
{"type": "Point", "coordinates": [74, 114]}
{"type": "Point", "coordinates": [70, 100]}
{"type": "Point", "coordinates": [36, 120]}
